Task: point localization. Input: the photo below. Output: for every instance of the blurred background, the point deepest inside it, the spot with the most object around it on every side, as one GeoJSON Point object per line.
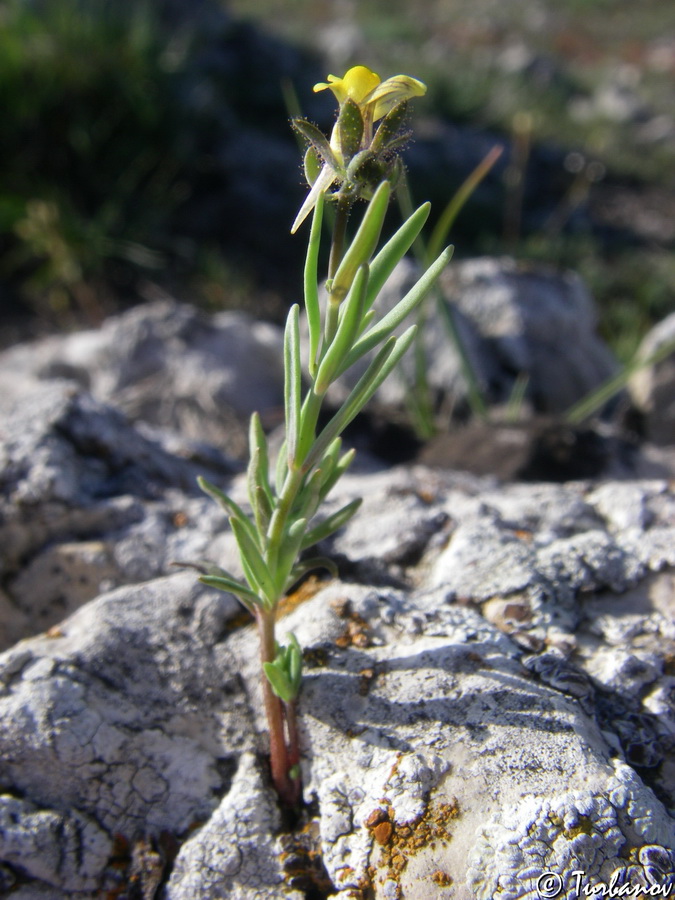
{"type": "Point", "coordinates": [146, 151]}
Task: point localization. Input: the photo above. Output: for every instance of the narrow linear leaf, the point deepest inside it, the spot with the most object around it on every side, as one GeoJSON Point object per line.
{"type": "Point", "coordinates": [232, 586]}
{"type": "Point", "coordinates": [394, 317]}
{"type": "Point", "coordinates": [348, 329]}
{"type": "Point", "coordinates": [367, 319]}
{"type": "Point", "coordinates": [263, 510]}
{"type": "Point", "coordinates": [328, 463]}
{"type": "Point", "coordinates": [388, 356]}
{"type": "Point", "coordinates": [227, 503]}
{"type": "Point", "coordinates": [279, 681]}
{"type": "Point", "coordinates": [311, 284]}
{"type": "Point", "coordinates": [394, 250]}
{"type": "Point", "coordinates": [301, 569]}
{"type": "Point", "coordinates": [281, 468]}
{"type": "Point", "coordinates": [294, 662]}
{"type": "Point", "coordinates": [309, 497]}
{"type": "Point", "coordinates": [292, 383]}
{"type": "Point", "coordinates": [259, 493]}
{"type": "Point", "coordinates": [341, 467]}
{"type": "Point", "coordinates": [331, 524]}
{"type": "Point", "coordinates": [258, 444]}
{"type": "Point", "coordinates": [365, 241]}
{"type": "Point", "coordinates": [252, 561]}
{"type": "Point", "coordinates": [288, 553]}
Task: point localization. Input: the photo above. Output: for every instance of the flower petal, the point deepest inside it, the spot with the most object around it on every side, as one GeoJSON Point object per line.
{"type": "Point", "coordinates": [358, 82]}
{"type": "Point", "coordinates": [386, 95]}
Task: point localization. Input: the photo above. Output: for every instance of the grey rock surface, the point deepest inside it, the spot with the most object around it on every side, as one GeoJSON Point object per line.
{"type": "Point", "coordinates": [489, 691]}
{"type": "Point", "coordinates": [497, 664]}
{"type": "Point", "coordinates": [87, 502]}
{"type": "Point", "coordinates": [652, 388]}
{"type": "Point", "coordinates": [167, 365]}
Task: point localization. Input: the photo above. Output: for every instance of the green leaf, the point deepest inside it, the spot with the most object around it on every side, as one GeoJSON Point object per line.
{"type": "Point", "coordinates": [300, 569]}
{"type": "Point", "coordinates": [341, 467]}
{"type": "Point", "coordinates": [258, 445]}
{"type": "Point", "coordinates": [388, 356]}
{"type": "Point", "coordinates": [350, 128]}
{"type": "Point", "coordinates": [294, 662]}
{"type": "Point", "coordinates": [292, 383]}
{"type": "Point", "coordinates": [259, 493]}
{"type": "Point", "coordinates": [228, 504]}
{"type": "Point", "coordinates": [311, 284]}
{"type": "Point", "coordinates": [288, 553]}
{"type": "Point", "coordinates": [309, 496]}
{"type": "Point", "coordinates": [318, 140]}
{"type": "Point", "coordinates": [394, 250]}
{"type": "Point", "coordinates": [403, 308]}
{"type": "Point", "coordinates": [331, 524]}
{"type": "Point", "coordinates": [281, 468]}
{"type": "Point", "coordinates": [231, 586]}
{"type": "Point", "coordinates": [390, 127]}
{"type": "Point", "coordinates": [255, 567]}
{"type": "Point", "coordinates": [365, 241]}
{"type": "Point", "coordinates": [279, 681]}
{"type": "Point", "coordinates": [347, 331]}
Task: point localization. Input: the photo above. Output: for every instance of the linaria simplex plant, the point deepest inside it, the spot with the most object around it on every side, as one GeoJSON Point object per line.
{"type": "Point", "coordinates": [356, 162]}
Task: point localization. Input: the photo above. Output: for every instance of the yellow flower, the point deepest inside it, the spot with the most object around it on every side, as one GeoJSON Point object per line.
{"type": "Point", "coordinates": [357, 83]}
{"type": "Point", "coordinates": [374, 98]}
{"type": "Point", "coordinates": [372, 95]}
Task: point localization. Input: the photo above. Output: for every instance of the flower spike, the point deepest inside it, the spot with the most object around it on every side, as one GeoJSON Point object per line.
{"type": "Point", "coordinates": [363, 99]}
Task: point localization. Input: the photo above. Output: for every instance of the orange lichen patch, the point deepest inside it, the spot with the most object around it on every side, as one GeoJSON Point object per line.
{"type": "Point", "coordinates": [382, 832]}
{"type": "Point", "coordinates": [302, 862]}
{"type": "Point", "coordinates": [376, 816]}
{"type": "Point", "coordinates": [356, 634]}
{"type": "Point", "coordinates": [401, 842]}
{"type": "Point", "coordinates": [305, 592]}
{"type": "Point", "coordinates": [54, 632]}
{"type": "Point", "coordinates": [179, 520]}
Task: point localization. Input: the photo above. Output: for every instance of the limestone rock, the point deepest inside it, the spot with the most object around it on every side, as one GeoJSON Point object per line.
{"type": "Point", "coordinates": [87, 503]}
{"type": "Point", "coordinates": [652, 388]}
{"type": "Point", "coordinates": [488, 689]}
{"type": "Point", "coordinates": [166, 364]}
{"type": "Point", "coordinates": [234, 854]}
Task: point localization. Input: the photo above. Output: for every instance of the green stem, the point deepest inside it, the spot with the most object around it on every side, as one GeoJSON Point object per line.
{"type": "Point", "coordinates": [344, 205]}
{"type": "Point", "coordinates": [297, 470]}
